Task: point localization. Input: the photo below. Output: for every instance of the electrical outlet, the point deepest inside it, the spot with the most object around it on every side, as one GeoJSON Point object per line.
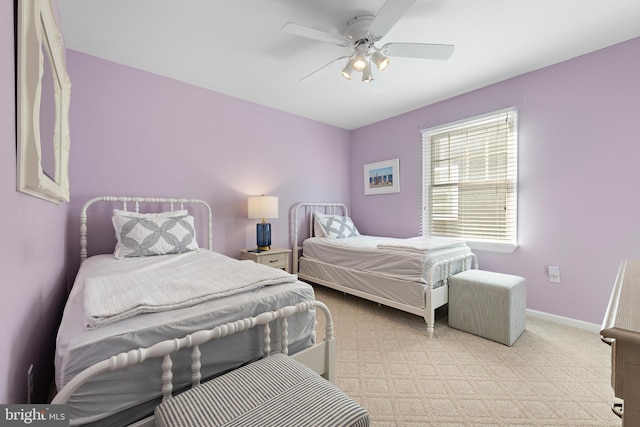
{"type": "Point", "coordinates": [30, 384]}
{"type": "Point", "coordinates": [554, 273]}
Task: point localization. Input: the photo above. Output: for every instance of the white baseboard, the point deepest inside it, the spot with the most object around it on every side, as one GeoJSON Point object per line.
{"type": "Point", "coordinates": [592, 327]}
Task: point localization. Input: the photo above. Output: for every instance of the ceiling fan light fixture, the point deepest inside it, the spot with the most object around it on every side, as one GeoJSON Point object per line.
{"type": "Point", "coordinates": [362, 34]}
{"type": "Point", "coordinates": [380, 59]}
{"type": "Point", "coordinates": [360, 60]}
{"type": "Point", "coordinates": [346, 71]}
{"type": "Point", "coordinates": [359, 64]}
{"type": "Point", "coordinates": [366, 73]}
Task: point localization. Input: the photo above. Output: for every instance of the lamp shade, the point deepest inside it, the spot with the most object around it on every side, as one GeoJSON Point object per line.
{"type": "Point", "coordinates": [262, 207]}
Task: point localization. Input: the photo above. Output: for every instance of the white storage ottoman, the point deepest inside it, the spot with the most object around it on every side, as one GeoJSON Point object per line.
{"type": "Point", "coordinates": [490, 305]}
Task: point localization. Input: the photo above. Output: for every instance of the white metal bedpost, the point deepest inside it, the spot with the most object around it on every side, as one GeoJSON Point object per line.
{"type": "Point", "coordinates": [196, 364]}
{"type": "Point", "coordinates": [442, 294]}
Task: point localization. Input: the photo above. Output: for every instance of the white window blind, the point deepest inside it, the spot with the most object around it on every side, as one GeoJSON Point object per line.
{"type": "Point", "coordinates": [470, 171]}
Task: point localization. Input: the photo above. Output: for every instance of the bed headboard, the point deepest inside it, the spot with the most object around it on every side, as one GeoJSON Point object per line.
{"type": "Point", "coordinates": [135, 201]}
{"type": "Point", "coordinates": [306, 210]}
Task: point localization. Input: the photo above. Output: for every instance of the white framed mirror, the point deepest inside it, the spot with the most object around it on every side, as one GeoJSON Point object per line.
{"type": "Point", "coordinates": [43, 98]}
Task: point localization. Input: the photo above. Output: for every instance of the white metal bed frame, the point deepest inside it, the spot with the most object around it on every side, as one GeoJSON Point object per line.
{"type": "Point", "coordinates": [319, 357]}
{"type": "Point", "coordinates": [433, 297]}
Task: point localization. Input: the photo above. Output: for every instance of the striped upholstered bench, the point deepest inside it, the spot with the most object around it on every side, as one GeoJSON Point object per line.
{"type": "Point", "coordinates": [275, 391]}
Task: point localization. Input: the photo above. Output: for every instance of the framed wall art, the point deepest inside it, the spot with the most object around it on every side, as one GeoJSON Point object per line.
{"type": "Point", "coordinates": [382, 177]}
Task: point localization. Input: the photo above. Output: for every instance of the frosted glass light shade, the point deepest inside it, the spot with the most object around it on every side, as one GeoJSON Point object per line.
{"type": "Point", "coordinates": [381, 61]}
{"type": "Point", "coordinates": [360, 60]}
{"type": "Point", "coordinates": [346, 71]}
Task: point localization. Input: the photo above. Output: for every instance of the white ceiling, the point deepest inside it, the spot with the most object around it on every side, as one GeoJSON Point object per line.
{"type": "Point", "coordinates": [236, 47]}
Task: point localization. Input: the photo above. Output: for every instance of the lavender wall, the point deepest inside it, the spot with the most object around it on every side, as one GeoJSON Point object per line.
{"type": "Point", "coordinates": [140, 134]}
{"type": "Point", "coordinates": [578, 172]}
{"type": "Point", "coordinates": [33, 254]}
{"type": "Point", "coordinates": [137, 133]}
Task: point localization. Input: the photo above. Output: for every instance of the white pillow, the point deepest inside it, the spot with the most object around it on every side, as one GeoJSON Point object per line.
{"type": "Point", "coordinates": [150, 234]}
{"type": "Point", "coordinates": [336, 226]}
{"type": "Point", "coordinates": [317, 228]}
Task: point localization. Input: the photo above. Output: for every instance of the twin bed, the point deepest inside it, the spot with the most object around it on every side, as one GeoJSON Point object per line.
{"type": "Point", "coordinates": [102, 319]}
{"type": "Point", "coordinates": [129, 300]}
{"type": "Point", "coordinates": [407, 274]}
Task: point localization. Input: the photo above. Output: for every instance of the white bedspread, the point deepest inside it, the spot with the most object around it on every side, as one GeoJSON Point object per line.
{"type": "Point", "coordinates": [115, 297]}
{"type": "Point", "coordinates": [421, 244]}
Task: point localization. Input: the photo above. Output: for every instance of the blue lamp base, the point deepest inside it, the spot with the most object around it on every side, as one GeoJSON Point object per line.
{"type": "Point", "coordinates": [263, 232]}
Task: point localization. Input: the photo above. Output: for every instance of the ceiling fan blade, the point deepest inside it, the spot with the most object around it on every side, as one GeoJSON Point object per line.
{"type": "Point", "coordinates": [312, 33]}
{"type": "Point", "coordinates": [387, 16]}
{"type": "Point", "coordinates": [419, 50]}
{"type": "Point", "coordinates": [334, 66]}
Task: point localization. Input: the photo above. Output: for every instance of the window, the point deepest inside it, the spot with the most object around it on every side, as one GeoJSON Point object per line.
{"type": "Point", "coordinates": [470, 180]}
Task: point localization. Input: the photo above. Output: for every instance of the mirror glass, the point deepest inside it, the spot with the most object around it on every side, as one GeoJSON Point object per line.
{"type": "Point", "coordinates": [47, 117]}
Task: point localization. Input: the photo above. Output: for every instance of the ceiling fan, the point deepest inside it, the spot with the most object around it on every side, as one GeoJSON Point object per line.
{"type": "Point", "coordinates": [361, 35]}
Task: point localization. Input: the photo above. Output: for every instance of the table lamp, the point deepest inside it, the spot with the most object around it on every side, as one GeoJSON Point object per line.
{"type": "Point", "coordinates": [261, 207]}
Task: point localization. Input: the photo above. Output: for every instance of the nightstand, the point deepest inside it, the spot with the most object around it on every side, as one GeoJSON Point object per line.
{"type": "Point", "coordinates": [274, 257]}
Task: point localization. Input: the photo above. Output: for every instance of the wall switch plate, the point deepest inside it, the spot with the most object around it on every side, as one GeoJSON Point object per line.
{"type": "Point", "coordinates": [554, 273]}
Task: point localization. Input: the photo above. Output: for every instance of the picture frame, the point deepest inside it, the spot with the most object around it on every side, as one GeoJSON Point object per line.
{"type": "Point", "coordinates": [382, 177]}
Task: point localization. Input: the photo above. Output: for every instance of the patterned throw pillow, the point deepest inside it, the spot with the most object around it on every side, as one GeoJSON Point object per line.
{"type": "Point", "coordinates": [163, 233]}
{"type": "Point", "coordinates": [336, 226]}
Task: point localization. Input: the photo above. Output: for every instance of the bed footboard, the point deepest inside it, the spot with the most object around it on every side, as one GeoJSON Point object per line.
{"type": "Point", "coordinates": [319, 357]}
{"type": "Point", "coordinates": [437, 297]}
{"type": "Point", "coordinates": [468, 261]}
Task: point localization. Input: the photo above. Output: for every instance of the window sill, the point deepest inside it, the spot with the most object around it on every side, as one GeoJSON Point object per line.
{"type": "Point", "coordinates": [505, 248]}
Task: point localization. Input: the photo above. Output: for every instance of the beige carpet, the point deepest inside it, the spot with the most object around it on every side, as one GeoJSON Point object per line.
{"type": "Point", "coordinates": [553, 375]}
